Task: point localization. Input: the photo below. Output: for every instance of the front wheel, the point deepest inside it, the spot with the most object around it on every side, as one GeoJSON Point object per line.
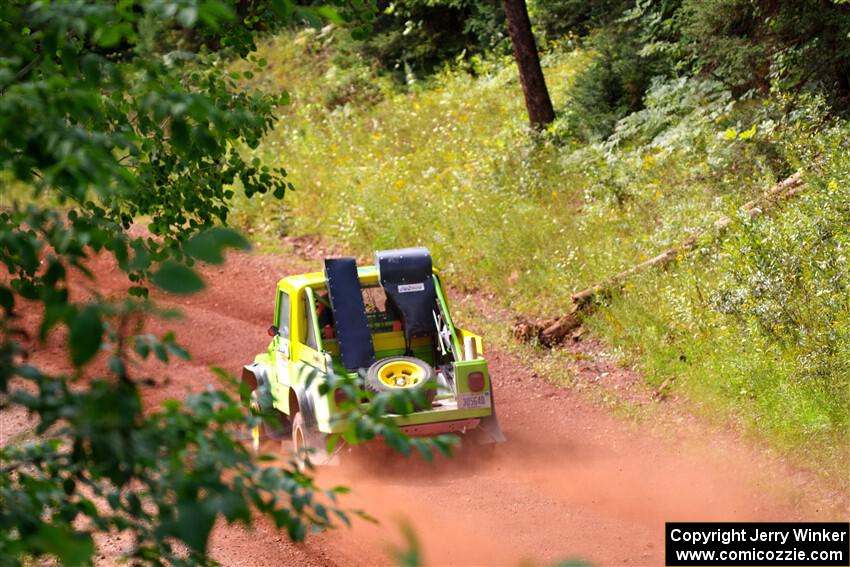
{"type": "Point", "coordinates": [257, 433]}
{"type": "Point", "coordinates": [275, 427]}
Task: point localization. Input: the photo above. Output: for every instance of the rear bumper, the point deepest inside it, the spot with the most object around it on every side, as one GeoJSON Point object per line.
{"type": "Point", "coordinates": [442, 418]}
{"type": "Point", "coordinates": [438, 428]}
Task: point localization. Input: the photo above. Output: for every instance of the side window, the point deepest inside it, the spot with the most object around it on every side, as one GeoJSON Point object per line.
{"type": "Point", "coordinates": [283, 315]}
{"type": "Point", "coordinates": [310, 310]}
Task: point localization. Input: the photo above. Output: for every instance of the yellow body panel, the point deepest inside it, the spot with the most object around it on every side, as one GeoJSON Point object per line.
{"type": "Point", "coordinates": [303, 360]}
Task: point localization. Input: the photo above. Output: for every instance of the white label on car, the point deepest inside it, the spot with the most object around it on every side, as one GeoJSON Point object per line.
{"type": "Point", "coordinates": [407, 288]}
{"type": "Point", "coordinates": [473, 401]}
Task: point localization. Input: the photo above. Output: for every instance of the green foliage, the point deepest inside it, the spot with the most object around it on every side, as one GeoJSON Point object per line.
{"type": "Point", "coordinates": [409, 555]}
{"type": "Point", "coordinates": [720, 37]}
{"type": "Point", "coordinates": [786, 278]}
{"type": "Point", "coordinates": [209, 245]}
{"type": "Point", "coordinates": [103, 112]}
{"type": "Point", "coordinates": [747, 47]}
{"type": "Point", "coordinates": [763, 45]}
{"type": "Point", "coordinates": [612, 87]}
{"type": "Point", "coordinates": [411, 37]}
{"type": "Point", "coordinates": [622, 70]}
{"type": "Point", "coordinates": [177, 278]}
{"type": "Point", "coordinates": [367, 423]}
{"type": "Point", "coordinates": [123, 137]}
{"type": "Point", "coordinates": [555, 19]}
{"type": "Point", "coordinates": [756, 328]}
{"type": "Point", "coordinates": [163, 478]}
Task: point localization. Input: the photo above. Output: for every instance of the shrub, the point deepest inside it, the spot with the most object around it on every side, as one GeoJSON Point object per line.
{"type": "Point", "coordinates": [766, 45]}
{"type": "Point", "coordinates": [787, 277]}
{"type": "Point", "coordinates": [554, 19]}
{"type": "Point", "coordinates": [418, 36]}
{"type": "Point", "coordinates": [612, 87]}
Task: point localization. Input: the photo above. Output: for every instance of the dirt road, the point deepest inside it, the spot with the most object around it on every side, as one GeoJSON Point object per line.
{"type": "Point", "coordinates": [571, 482]}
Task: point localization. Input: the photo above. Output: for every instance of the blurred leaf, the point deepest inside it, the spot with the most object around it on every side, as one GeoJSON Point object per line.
{"type": "Point", "coordinates": [330, 13]}
{"type": "Point", "coordinates": [177, 278]}
{"type": "Point", "coordinates": [85, 335]}
{"type": "Point", "coordinates": [410, 554]}
{"type": "Point", "coordinates": [7, 300]}
{"type": "Point", "coordinates": [283, 8]}
{"type": "Point", "coordinates": [69, 547]}
{"type": "Point", "coordinates": [209, 245]}
{"type": "Point", "coordinates": [747, 134]}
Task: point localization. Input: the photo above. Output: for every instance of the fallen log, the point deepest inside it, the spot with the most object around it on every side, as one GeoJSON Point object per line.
{"type": "Point", "coordinates": [553, 332]}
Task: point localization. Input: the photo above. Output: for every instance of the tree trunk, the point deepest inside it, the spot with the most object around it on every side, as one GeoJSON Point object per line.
{"type": "Point", "coordinates": [537, 101]}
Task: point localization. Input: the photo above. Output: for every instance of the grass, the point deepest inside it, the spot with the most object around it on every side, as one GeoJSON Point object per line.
{"type": "Point", "coordinates": [452, 166]}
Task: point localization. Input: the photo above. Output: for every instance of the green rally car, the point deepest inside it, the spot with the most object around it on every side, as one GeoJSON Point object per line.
{"type": "Point", "coordinates": [388, 324]}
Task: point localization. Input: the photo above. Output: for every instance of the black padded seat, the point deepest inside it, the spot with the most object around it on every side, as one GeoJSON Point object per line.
{"type": "Point", "coordinates": [349, 313]}
{"type": "Point", "coordinates": [407, 278]}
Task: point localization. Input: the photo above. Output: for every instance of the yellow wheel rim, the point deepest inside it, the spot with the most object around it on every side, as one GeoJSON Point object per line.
{"type": "Point", "coordinates": [401, 374]}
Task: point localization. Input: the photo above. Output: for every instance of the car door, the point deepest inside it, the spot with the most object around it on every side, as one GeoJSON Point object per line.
{"type": "Point", "coordinates": [310, 347]}
{"type": "Point", "coordinates": [281, 348]}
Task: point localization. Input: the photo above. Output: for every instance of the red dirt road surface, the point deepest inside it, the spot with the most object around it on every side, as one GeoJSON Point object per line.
{"type": "Point", "coordinates": [570, 482]}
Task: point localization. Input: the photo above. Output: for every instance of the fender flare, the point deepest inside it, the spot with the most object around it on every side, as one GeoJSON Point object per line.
{"type": "Point", "coordinates": [306, 405]}
{"type": "Point", "coordinates": [256, 377]}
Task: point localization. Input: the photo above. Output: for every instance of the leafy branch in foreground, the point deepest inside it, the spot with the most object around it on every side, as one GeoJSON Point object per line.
{"type": "Point", "coordinates": [114, 114]}
{"type": "Point", "coordinates": [363, 417]}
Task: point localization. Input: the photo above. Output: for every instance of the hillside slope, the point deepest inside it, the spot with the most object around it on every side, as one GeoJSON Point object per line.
{"type": "Point", "coordinates": [753, 328]}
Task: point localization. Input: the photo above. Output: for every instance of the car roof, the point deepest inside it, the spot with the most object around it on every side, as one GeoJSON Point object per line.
{"type": "Point", "coordinates": [368, 276]}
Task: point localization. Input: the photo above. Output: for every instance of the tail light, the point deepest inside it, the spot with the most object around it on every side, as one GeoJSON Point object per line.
{"type": "Point", "coordinates": [475, 381]}
{"type": "Point", "coordinates": [340, 396]}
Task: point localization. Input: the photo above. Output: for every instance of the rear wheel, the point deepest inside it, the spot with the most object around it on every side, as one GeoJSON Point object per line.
{"type": "Point", "coordinates": [308, 444]}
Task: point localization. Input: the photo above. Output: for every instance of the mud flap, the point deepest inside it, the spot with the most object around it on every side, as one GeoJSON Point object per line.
{"type": "Point", "coordinates": [255, 375]}
{"type": "Point", "coordinates": [488, 431]}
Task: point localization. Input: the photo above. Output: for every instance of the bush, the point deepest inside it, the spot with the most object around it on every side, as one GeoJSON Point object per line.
{"type": "Point", "coordinates": [786, 278]}
{"type": "Point", "coordinates": [766, 45]}
{"type": "Point", "coordinates": [554, 19]}
{"type": "Point", "coordinates": [614, 85]}
{"type": "Point", "coordinates": [747, 47]}
{"type": "Point", "coordinates": [418, 36]}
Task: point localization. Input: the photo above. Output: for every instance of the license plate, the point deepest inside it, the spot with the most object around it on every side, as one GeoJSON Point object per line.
{"type": "Point", "coordinates": [473, 401]}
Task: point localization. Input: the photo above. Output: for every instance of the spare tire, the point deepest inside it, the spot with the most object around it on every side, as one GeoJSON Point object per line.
{"type": "Point", "coordinates": [403, 373]}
